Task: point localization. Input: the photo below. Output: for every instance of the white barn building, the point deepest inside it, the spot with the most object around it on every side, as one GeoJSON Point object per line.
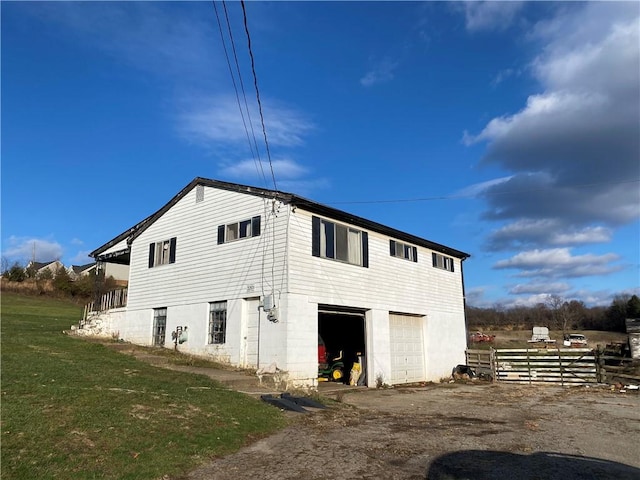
{"type": "Point", "coordinates": [252, 277]}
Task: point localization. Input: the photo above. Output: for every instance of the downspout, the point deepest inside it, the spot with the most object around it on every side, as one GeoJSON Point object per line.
{"type": "Point", "coordinates": [464, 299]}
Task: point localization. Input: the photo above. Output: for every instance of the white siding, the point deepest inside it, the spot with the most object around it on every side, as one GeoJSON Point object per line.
{"type": "Point", "coordinates": [121, 245]}
{"type": "Point", "coordinates": [279, 262]}
{"type": "Point", "coordinates": [117, 271]}
{"type": "Point", "coordinates": [389, 284]}
{"type": "Point", "coordinates": [205, 272]}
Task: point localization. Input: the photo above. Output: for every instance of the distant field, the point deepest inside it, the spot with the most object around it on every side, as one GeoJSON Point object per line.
{"type": "Point", "coordinates": [73, 409]}
{"type": "Point", "coordinates": [518, 338]}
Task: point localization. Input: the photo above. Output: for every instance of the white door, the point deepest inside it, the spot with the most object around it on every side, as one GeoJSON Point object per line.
{"type": "Point", "coordinates": [251, 332]}
{"type": "Point", "coordinates": [407, 349]}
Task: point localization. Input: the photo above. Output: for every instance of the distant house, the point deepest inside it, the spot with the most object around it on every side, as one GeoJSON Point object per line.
{"type": "Point", "coordinates": [118, 272]}
{"type": "Point", "coordinates": [41, 267]}
{"type": "Point", "coordinates": [252, 277]}
{"type": "Point", "coordinates": [77, 271]}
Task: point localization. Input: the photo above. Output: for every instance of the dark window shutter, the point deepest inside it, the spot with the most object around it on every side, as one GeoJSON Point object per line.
{"type": "Point", "coordinates": [172, 250]}
{"type": "Point", "coordinates": [392, 248]}
{"type": "Point", "coordinates": [220, 234]}
{"type": "Point", "coordinates": [415, 254]}
{"type": "Point", "coordinates": [255, 226]}
{"type": "Point", "coordinates": [452, 264]}
{"type": "Point", "coordinates": [435, 259]}
{"type": "Point", "coordinates": [330, 231]}
{"type": "Point", "coordinates": [315, 236]}
{"type": "Point", "coordinates": [365, 249]}
{"type": "Point", "coordinates": [152, 253]}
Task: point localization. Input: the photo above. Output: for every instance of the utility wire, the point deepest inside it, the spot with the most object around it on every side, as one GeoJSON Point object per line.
{"type": "Point", "coordinates": [255, 83]}
{"type": "Point", "coordinates": [235, 88]}
{"type": "Point", "coordinates": [244, 95]}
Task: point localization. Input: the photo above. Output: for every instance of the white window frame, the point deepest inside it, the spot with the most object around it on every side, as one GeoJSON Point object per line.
{"type": "Point", "coordinates": [217, 323]}
{"type": "Point", "coordinates": [442, 262]}
{"type": "Point", "coordinates": [242, 229]}
{"type": "Point", "coordinates": [162, 250]}
{"type": "Point", "coordinates": [159, 326]}
{"type": "Point", "coordinates": [404, 251]}
{"type": "Point", "coordinates": [346, 246]}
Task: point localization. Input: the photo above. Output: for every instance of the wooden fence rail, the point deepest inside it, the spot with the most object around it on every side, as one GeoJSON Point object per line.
{"type": "Point", "coordinates": [112, 299]}
{"type": "Point", "coordinates": [561, 366]}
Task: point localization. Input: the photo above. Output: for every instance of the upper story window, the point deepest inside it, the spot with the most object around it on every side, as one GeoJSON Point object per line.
{"type": "Point", "coordinates": [402, 250]}
{"type": "Point", "coordinates": [339, 242]}
{"type": "Point", "coordinates": [162, 253]}
{"type": "Point", "coordinates": [440, 261]}
{"type": "Point", "coordinates": [237, 230]}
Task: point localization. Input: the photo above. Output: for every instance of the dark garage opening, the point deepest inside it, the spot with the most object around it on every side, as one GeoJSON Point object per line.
{"type": "Point", "coordinates": [344, 330]}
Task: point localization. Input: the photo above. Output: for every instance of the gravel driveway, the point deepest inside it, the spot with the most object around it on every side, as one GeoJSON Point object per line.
{"type": "Point", "coordinates": [452, 431]}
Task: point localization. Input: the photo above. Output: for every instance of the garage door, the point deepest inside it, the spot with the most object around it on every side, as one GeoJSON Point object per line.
{"type": "Point", "coordinates": [407, 349]}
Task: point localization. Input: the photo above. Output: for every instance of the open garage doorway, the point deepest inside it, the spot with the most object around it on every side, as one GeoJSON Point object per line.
{"type": "Point", "coordinates": [341, 332]}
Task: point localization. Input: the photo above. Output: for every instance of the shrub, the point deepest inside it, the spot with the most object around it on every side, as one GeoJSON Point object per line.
{"type": "Point", "coordinates": [16, 273]}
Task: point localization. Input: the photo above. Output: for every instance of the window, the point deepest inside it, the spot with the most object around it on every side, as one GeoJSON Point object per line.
{"type": "Point", "coordinates": [243, 229]}
{"type": "Point", "coordinates": [159, 325]}
{"type": "Point", "coordinates": [162, 253]}
{"type": "Point", "coordinates": [401, 250]}
{"type": "Point", "coordinates": [440, 261]}
{"type": "Point", "coordinates": [339, 242]}
{"type": "Point", "coordinates": [217, 322]}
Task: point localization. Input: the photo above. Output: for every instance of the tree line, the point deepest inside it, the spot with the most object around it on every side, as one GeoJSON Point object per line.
{"type": "Point", "coordinates": [557, 314]}
{"type": "Point", "coordinates": [58, 283]}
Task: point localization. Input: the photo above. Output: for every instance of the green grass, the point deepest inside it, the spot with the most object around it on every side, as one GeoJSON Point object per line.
{"type": "Point", "coordinates": [73, 409]}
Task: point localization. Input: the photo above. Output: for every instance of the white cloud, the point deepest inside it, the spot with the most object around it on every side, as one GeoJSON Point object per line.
{"type": "Point", "coordinates": [218, 120]}
{"type": "Point", "coordinates": [82, 258]}
{"type": "Point", "coordinates": [23, 249]}
{"type": "Point", "coordinates": [478, 188]}
{"type": "Point", "coordinates": [572, 150]}
{"type": "Point", "coordinates": [559, 263]}
{"type": "Point", "coordinates": [533, 232]}
{"type": "Point", "coordinates": [381, 73]}
{"type": "Point", "coordinates": [282, 169]}
{"type": "Point", "coordinates": [540, 288]}
{"type": "Point", "coordinates": [490, 15]}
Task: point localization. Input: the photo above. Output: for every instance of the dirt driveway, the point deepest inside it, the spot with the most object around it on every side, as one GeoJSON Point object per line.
{"type": "Point", "coordinates": [452, 431]}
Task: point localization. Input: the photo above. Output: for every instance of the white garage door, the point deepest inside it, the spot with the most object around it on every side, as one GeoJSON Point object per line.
{"type": "Point", "coordinates": [407, 349]}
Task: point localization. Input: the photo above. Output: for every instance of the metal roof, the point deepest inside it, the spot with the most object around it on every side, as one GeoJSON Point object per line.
{"type": "Point", "coordinates": [289, 198]}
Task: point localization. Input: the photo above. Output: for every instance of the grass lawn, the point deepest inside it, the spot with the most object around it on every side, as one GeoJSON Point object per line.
{"type": "Point", "coordinates": [73, 409]}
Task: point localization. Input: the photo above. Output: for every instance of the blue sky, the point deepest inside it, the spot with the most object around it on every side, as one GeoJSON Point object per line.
{"type": "Point", "coordinates": [507, 130]}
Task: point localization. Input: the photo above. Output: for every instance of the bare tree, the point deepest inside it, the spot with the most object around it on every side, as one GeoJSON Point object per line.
{"type": "Point", "coordinates": [558, 308]}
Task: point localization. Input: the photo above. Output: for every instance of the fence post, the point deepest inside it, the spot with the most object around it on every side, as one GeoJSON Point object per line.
{"type": "Point", "coordinates": [600, 368]}
{"type": "Point", "coordinates": [493, 363]}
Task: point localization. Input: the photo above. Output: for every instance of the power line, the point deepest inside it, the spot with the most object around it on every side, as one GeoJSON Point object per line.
{"type": "Point", "coordinates": [472, 195]}
{"type": "Point", "coordinates": [258, 163]}
{"type": "Point", "coordinates": [244, 95]}
{"type": "Point", "coordinates": [255, 83]}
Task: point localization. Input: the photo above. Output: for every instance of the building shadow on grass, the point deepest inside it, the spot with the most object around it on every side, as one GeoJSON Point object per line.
{"type": "Point", "coordinates": [493, 465]}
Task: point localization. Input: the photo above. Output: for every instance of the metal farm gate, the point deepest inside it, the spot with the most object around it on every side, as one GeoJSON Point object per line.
{"type": "Point", "coordinates": [560, 366]}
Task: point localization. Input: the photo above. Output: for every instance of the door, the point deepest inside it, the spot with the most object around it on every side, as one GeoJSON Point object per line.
{"type": "Point", "coordinates": [407, 348]}
{"type": "Point", "coordinates": [251, 333]}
